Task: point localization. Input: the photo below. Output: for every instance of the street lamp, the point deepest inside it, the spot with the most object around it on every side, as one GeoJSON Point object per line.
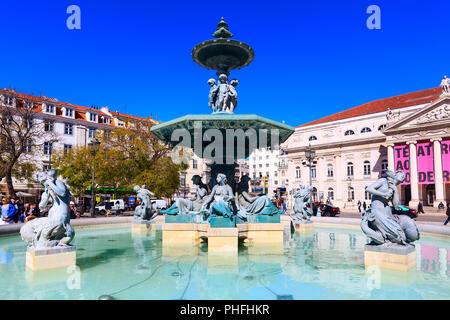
{"type": "Point", "coordinates": [310, 154]}
{"type": "Point", "coordinates": [93, 145]}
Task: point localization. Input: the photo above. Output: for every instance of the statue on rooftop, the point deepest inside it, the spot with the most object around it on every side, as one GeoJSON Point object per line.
{"type": "Point", "coordinates": [184, 206]}
{"type": "Point", "coordinates": [144, 211]}
{"type": "Point", "coordinates": [302, 212]}
{"type": "Point", "coordinates": [378, 223]}
{"type": "Point", "coordinates": [53, 230]}
{"type": "Point", "coordinates": [445, 84]}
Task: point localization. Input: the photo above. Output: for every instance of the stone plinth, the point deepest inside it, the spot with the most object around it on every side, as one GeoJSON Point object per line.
{"type": "Point", "coordinates": [222, 222]}
{"type": "Point", "coordinates": [393, 257]}
{"type": "Point", "coordinates": [50, 258]}
{"type": "Point", "coordinates": [179, 233]}
{"type": "Point", "coordinates": [222, 240]}
{"type": "Point", "coordinates": [264, 233]}
{"type": "Point", "coordinates": [306, 226]}
{"type": "Point", "coordinates": [264, 219]}
{"type": "Point", "coordinates": [183, 218]}
{"type": "Point", "coordinates": [147, 226]}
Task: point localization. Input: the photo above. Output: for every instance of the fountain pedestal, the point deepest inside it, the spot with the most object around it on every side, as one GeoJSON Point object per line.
{"type": "Point", "coordinates": [144, 226]}
{"type": "Point", "coordinates": [262, 233]}
{"type": "Point", "coordinates": [306, 227]}
{"type": "Point", "coordinates": [394, 257]}
{"type": "Point", "coordinates": [50, 258]}
{"type": "Point", "coordinates": [179, 233]}
{"type": "Point", "coordinates": [222, 240]}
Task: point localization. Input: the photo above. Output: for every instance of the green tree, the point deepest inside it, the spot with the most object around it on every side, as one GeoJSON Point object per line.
{"type": "Point", "coordinates": [126, 157]}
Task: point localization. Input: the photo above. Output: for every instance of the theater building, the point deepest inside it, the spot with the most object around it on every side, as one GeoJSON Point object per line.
{"type": "Point", "coordinates": [409, 132]}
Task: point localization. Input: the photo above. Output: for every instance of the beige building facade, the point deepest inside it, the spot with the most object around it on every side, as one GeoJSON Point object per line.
{"type": "Point", "coordinates": [410, 132]}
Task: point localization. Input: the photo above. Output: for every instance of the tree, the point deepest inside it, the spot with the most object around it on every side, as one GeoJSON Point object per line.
{"type": "Point", "coordinates": [126, 157]}
{"type": "Point", "coordinates": [21, 139]}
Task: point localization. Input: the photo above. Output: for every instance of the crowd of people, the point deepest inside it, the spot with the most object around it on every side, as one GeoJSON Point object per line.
{"type": "Point", "coordinates": [15, 210]}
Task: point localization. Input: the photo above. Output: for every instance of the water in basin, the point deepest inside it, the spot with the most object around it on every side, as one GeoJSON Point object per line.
{"type": "Point", "coordinates": [325, 264]}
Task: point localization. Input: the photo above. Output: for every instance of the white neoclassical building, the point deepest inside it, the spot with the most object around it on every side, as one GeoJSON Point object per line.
{"type": "Point", "coordinates": [409, 132]}
{"type": "Point", "coordinates": [70, 124]}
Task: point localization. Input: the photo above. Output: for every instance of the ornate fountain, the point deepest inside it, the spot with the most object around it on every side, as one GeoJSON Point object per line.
{"type": "Point", "coordinates": [222, 137]}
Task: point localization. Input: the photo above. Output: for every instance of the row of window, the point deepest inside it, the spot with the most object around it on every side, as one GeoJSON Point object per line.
{"type": "Point", "coordinates": [351, 194]}
{"type": "Point", "coordinates": [69, 112]}
{"type": "Point", "coordinates": [350, 169]}
{"type": "Point", "coordinates": [351, 132]}
{"type": "Point", "coordinates": [49, 126]}
{"type": "Point", "coordinates": [48, 148]}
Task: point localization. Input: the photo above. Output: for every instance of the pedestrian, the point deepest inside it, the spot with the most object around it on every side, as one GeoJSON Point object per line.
{"type": "Point", "coordinates": [108, 208]}
{"type": "Point", "coordinates": [25, 213]}
{"type": "Point", "coordinates": [117, 208]}
{"type": "Point", "coordinates": [8, 211]}
{"type": "Point", "coordinates": [448, 214]}
{"type": "Point", "coordinates": [420, 208]}
{"type": "Point", "coordinates": [359, 206]}
{"type": "Point", "coordinates": [319, 212]}
{"type": "Point", "coordinates": [441, 206]}
{"type": "Point", "coordinates": [364, 206]}
{"type": "Point", "coordinates": [284, 207]}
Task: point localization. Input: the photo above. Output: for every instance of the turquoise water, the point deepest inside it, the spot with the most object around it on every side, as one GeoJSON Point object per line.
{"type": "Point", "coordinates": [327, 264]}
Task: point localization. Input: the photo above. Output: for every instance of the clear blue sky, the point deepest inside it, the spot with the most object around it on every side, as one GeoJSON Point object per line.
{"type": "Point", "coordinates": [312, 58]}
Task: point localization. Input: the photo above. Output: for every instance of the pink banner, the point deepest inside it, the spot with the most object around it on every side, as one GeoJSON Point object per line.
{"type": "Point", "coordinates": [425, 163]}
{"type": "Point", "coordinates": [446, 160]}
{"type": "Point", "coordinates": [401, 160]}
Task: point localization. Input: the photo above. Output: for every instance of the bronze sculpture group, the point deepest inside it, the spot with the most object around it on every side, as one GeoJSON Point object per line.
{"type": "Point", "coordinates": [222, 201]}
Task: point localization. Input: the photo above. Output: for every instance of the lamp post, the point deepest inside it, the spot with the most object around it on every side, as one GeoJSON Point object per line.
{"type": "Point", "coordinates": [310, 154]}
{"type": "Point", "coordinates": [94, 145]}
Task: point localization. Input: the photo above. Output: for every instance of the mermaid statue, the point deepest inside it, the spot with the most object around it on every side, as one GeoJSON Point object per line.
{"type": "Point", "coordinates": [378, 223]}
{"type": "Point", "coordinates": [248, 205]}
{"type": "Point", "coordinates": [221, 201]}
{"type": "Point", "coordinates": [302, 213]}
{"type": "Point", "coordinates": [53, 230]}
{"type": "Point", "coordinates": [185, 206]}
{"type": "Point", "coordinates": [144, 211]}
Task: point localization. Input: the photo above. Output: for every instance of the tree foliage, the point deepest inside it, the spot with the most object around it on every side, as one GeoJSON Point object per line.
{"type": "Point", "coordinates": [125, 157]}
{"type": "Point", "coordinates": [21, 138]}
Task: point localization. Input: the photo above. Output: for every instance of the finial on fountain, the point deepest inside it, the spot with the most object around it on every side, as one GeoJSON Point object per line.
{"type": "Point", "coordinates": [222, 30]}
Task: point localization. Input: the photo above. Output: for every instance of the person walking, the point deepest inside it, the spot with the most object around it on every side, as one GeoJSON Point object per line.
{"type": "Point", "coordinates": [108, 208]}
{"type": "Point", "coordinates": [284, 207]}
{"type": "Point", "coordinates": [364, 207]}
{"type": "Point", "coordinates": [117, 208]}
{"type": "Point", "coordinates": [447, 212]}
{"type": "Point", "coordinates": [359, 206]}
{"type": "Point", "coordinates": [420, 208]}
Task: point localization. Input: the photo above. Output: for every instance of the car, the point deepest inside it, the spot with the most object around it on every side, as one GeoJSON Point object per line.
{"type": "Point", "coordinates": [115, 204]}
{"type": "Point", "coordinates": [328, 210]}
{"type": "Point", "coordinates": [159, 204]}
{"type": "Point", "coordinates": [404, 210]}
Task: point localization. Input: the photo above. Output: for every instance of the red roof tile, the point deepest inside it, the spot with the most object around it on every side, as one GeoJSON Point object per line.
{"type": "Point", "coordinates": [401, 101]}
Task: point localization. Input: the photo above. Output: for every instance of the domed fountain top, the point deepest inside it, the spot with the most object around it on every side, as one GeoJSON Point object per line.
{"type": "Point", "coordinates": [222, 54]}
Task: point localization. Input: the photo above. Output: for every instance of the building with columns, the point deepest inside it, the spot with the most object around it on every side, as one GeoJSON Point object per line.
{"type": "Point", "coordinates": [409, 132]}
